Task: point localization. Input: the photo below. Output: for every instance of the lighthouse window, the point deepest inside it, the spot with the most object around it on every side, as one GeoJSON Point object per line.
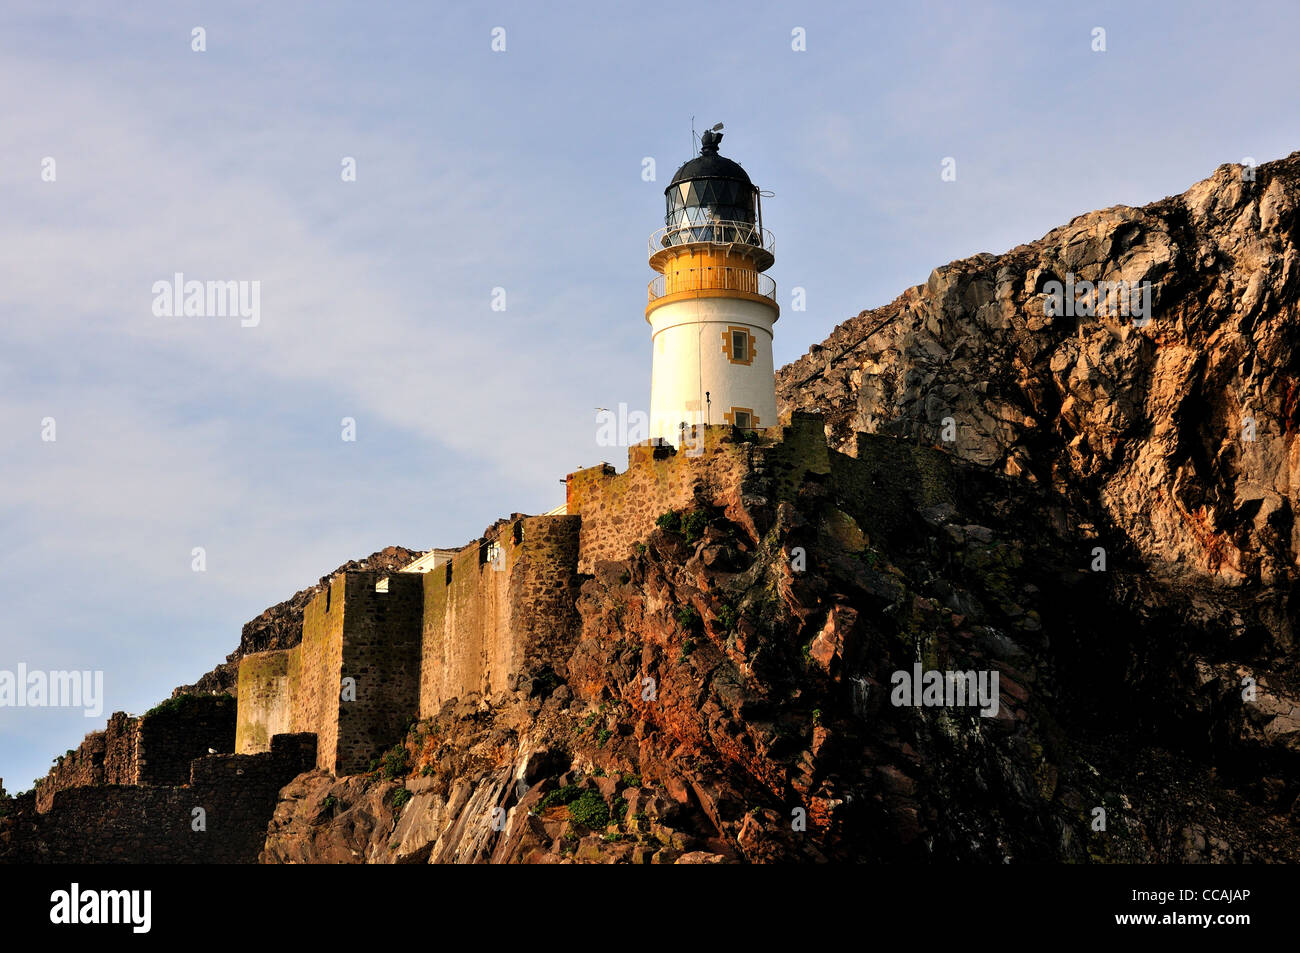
{"type": "Point", "coordinates": [741, 417]}
{"type": "Point", "coordinates": [738, 345]}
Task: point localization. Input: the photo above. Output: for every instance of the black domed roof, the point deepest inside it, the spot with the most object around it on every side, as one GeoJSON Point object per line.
{"type": "Point", "coordinates": [709, 165]}
{"type": "Point", "coordinates": [711, 199]}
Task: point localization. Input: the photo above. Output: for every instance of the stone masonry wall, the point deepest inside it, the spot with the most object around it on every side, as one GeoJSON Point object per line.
{"type": "Point", "coordinates": [350, 630]}
{"type": "Point", "coordinates": [381, 650]}
{"type": "Point", "coordinates": [181, 730]}
{"type": "Point", "coordinates": [154, 749]}
{"type": "Point", "coordinates": [544, 583]}
{"type": "Point", "coordinates": [265, 702]}
{"type": "Point", "coordinates": [620, 509]}
{"type": "Point", "coordinates": [503, 603]}
{"type": "Point", "coordinates": [105, 757]}
{"type": "Point", "coordinates": [465, 613]}
{"type": "Point", "coordinates": [315, 669]}
{"type": "Point", "coordinates": [155, 824]}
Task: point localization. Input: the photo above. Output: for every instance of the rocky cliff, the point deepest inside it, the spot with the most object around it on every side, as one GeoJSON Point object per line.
{"type": "Point", "coordinates": [1181, 432]}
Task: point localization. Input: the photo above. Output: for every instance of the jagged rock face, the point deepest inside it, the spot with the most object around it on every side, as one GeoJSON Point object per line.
{"type": "Point", "coordinates": [280, 627]}
{"type": "Point", "coordinates": [513, 779]}
{"type": "Point", "coordinates": [1149, 425]}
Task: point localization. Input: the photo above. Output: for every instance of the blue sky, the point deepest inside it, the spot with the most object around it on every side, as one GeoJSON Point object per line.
{"type": "Point", "coordinates": [477, 170]}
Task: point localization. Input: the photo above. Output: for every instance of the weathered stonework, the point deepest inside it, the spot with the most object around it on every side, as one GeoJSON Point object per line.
{"type": "Point", "coordinates": [219, 815]}
{"type": "Point", "coordinates": [154, 749]}
{"type": "Point", "coordinates": [620, 509]}
{"type": "Point", "coordinates": [105, 757]}
{"type": "Point", "coordinates": [353, 630]}
{"type": "Point", "coordinates": [501, 606]}
{"type": "Point", "coordinates": [264, 701]}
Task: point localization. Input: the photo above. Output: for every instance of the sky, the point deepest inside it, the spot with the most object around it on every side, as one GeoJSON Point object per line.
{"type": "Point", "coordinates": [484, 176]}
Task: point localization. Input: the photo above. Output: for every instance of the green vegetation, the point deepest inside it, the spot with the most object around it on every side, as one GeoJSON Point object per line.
{"type": "Point", "coordinates": [563, 795]}
{"type": "Point", "coordinates": [185, 703]}
{"type": "Point", "coordinates": [868, 556]}
{"type": "Point", "coordinates": [589, 810]}
{"type": "Point", "coordinates": [395, 763]}
{"type": "Point", "coordinates": [727, 617]}
{"type": "Point", "coordinates": [400, 797]}
{"type": "Point", "coordinates": [670, 521]}
{"type": "Point", "coordinates": [329, 802]}
{"type": "Point", "coordinates": [603, 736]}
{"type": "Point", "coordinates": [689, 525]}
{"type": "Point", "coordinates": [631, 780]}
{"type": "Point", "coordinates": [688, 618]}
{"type": "Point", "coordinates": [694, 524]}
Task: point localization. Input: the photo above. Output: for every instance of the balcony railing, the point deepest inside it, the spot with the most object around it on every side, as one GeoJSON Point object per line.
{"type": "Point", "coordinates": [714, 233]}
{"type": "Point", "coordinates": [710, 278]}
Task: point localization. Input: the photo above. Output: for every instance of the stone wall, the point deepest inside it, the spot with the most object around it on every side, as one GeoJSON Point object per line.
{"type": "Point", "coordinates": [156, 824]}
{"type": "Point", "coordinates": [104, 757]}
{"type": "Point", "coordinates": [889, 479]}
{"type": "Point", "coordinates": [620, 509]}
{"type": "Point", "coordinates": [155, 749]}
{"type": "Point", "coordinates": [350, 630]}
{"type": "Point", "coordinates": [315, 669]}
{"type": "Point", "coordinates": [179, 731]}
{"type": "Point", "coordinates": [544, 583]}
{"type": "Point", "coordinates": [265, 704]}
{"type": "Point", "coordinates": [503, 604]}
{"type": "Point", "coordinates": [381, 651]}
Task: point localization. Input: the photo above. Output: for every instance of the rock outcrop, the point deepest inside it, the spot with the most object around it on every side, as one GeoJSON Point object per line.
{"type": "Point", "coordinates": [1181, 432]}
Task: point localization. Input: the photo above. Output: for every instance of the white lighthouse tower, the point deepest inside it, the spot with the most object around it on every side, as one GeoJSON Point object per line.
{"type": "Point", "coordinates": [711, 308]}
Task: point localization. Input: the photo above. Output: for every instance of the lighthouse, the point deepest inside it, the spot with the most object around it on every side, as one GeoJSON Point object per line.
{"type": "Point", "coordinates": [711, 307]}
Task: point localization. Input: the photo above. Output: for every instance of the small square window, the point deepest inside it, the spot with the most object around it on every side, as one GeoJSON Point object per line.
{"type": "Point", "coordinates": [739, 346]}
{"type": "Point", "coordinates": [742, 420]}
